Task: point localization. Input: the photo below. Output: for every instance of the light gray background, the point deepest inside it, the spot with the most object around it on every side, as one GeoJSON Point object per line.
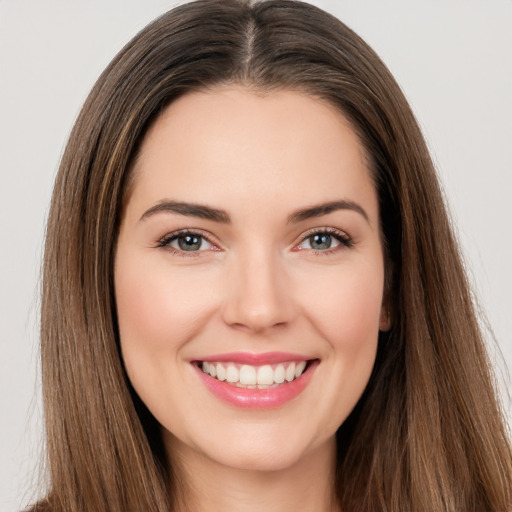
{"type": "Point", "coordinates": [452, 58]}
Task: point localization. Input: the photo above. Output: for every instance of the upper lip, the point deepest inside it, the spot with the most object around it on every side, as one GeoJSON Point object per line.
{"type": "Point", "coordinates": [254, 359]}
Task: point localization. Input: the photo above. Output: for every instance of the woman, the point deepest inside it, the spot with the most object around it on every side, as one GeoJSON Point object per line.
{"type": "Point", "coordinates": [252, 297]}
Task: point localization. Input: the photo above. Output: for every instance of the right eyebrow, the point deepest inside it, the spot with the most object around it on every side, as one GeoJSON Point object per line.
{"type": "Point", "coordinates": [188, 210]}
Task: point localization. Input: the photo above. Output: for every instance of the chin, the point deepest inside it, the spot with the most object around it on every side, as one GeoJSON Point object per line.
{"type": "Point", "coordinates": [260, 458]}
{"type": "Point", "coordinates": [270, 450]}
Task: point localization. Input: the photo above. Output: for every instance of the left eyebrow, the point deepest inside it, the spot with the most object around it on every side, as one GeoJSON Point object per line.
{"type": "Point", "coordinates": [325, 208]}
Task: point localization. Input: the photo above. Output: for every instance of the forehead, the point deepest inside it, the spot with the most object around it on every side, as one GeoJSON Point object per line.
{"type": "Point", "coordinates": [233, 144]}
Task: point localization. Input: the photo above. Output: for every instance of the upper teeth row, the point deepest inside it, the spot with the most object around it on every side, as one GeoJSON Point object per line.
{"type": "Point", "coordinates": [248, 375]}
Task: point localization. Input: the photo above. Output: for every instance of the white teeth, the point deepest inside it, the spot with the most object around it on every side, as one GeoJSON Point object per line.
{"type": "Point", "coordinates": [221, 372]}
{"type": "Point", "coordinates": [247, 375]}
{"type": "Point", "coordinates": [265, 375]}
{"type": "Point", "coordinates": [261, 377]}
{"type": "Point", "coordinates": [290, 372]}
{"type": "Point", "coordinates": [279, 374]}
{"type": "Point", "coordinates": [300, 368]}
{"type": "Point", "coordinates": [232, 374]}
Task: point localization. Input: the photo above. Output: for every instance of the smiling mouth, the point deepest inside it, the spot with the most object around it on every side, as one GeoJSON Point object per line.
{"type": "Point", "coordinates": [254, 377]}
{"type": "Point", "coordinates": [256, 381]}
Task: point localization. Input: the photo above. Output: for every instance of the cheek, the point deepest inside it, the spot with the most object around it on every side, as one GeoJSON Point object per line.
{"type": "Point", "coordinates": [346, 305]}
{"type": "Point", "coordinates": [343, 304]}
{"type": "Point", "coordinates": [347, 316]}
{"type": "Point", "coordinates": [159, 309]}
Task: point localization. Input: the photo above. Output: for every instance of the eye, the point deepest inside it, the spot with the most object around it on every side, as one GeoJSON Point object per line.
{"type": "Point", "coordinates": [325, 241]}
{"type": "Point", "coordinates": [185, 242]}
{"type": "Point", "coordinates": [190, 243]}
{"type": "Point", "coordinates": [320, 242]}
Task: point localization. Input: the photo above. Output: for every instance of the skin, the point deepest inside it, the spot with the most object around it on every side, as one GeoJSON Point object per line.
{"type": "Point", "coordinates": [256, 285]}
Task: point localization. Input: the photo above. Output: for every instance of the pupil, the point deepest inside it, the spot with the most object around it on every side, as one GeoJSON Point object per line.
{"type": "Point", "coordinates": [189, 243]}
{"type": "Point", "coordinates": [320, 241]}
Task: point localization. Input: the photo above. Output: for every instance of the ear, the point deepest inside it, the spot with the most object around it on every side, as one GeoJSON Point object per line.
{"type": "Point", "coordinates": [386, 309]}
{"type": "Point", "coordinates": [385, 318]}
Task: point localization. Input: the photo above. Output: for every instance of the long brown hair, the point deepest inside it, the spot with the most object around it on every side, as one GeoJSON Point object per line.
{"type": "Point", "coordinates": [427, 435]}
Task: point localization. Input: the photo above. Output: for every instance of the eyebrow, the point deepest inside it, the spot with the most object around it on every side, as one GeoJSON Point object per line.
{"type": "Point", "coordinates": [216, 215]}
{"type": "Point", "coordinates": [326, 208]}
{"type": "Point", "coordinates": [189, 210]}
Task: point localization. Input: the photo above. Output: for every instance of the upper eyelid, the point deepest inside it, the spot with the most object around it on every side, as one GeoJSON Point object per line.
{"type": "Point", "coordinates": [323, 229]}
{"type": "Point", "coordinates": [328, 230]}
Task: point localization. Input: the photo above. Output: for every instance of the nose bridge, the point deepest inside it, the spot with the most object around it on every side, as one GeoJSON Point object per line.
{"type": "Point", "coordinates": [258, 296]}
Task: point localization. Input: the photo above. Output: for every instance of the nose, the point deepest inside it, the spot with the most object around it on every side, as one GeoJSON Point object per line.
{"type": "Point", "coordinates": [258, 294]}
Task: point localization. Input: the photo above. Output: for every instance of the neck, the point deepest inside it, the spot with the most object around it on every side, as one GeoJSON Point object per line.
{"type": "Point", "coordinates": [307, 485]}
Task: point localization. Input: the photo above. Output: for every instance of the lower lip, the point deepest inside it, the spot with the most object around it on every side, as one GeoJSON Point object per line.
{"type": "Point", "coordinates": [269, 398]}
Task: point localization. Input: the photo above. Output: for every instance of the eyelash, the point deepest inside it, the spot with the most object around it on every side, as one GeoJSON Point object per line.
{"type": "Point", "coordinates": [345, 241]}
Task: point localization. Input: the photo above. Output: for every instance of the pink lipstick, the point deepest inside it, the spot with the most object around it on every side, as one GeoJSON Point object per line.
{"type": "Point", "coordinates": [256, 381]}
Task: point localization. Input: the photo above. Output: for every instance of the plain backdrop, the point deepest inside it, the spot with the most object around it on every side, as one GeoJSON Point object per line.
{"type": "Point", "coordinates": [453, 59]}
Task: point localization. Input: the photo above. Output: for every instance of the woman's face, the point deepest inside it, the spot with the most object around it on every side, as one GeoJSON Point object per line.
{"type": "Point", "coordinates": [249, 254]}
